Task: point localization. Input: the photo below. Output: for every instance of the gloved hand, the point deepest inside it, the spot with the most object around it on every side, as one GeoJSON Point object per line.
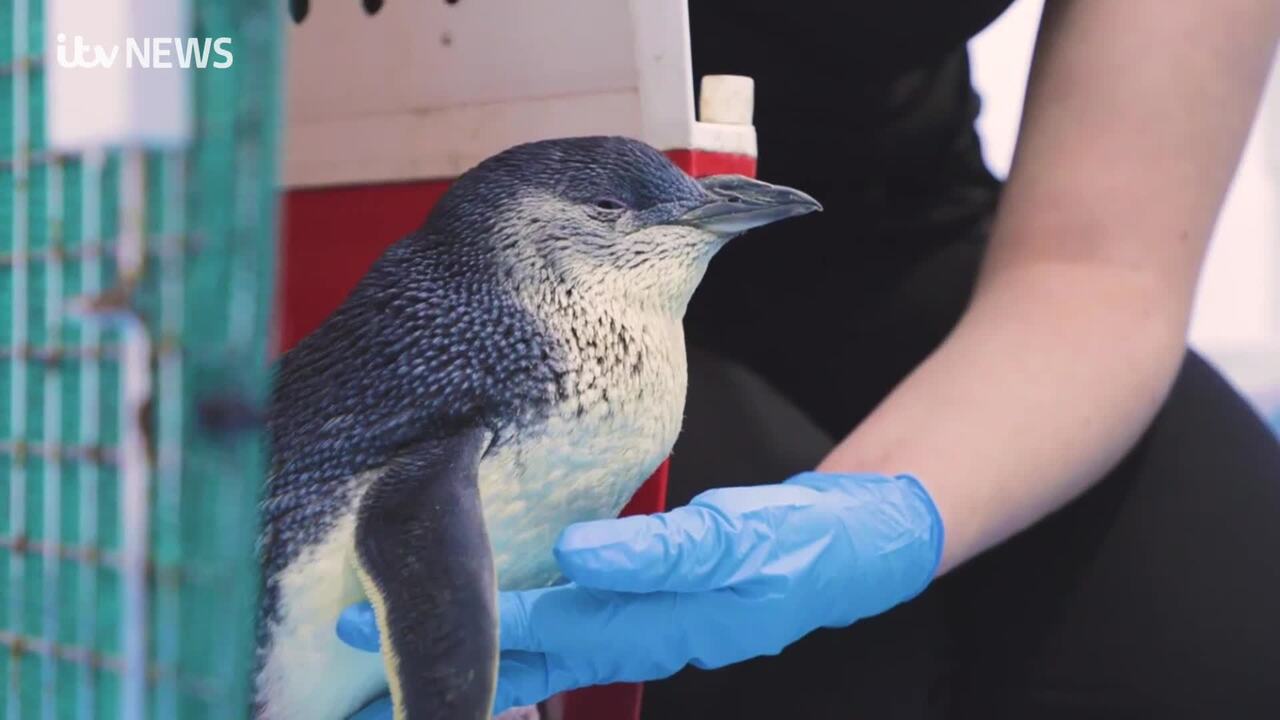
{"type": "Point", "coordinates": [738, 573]}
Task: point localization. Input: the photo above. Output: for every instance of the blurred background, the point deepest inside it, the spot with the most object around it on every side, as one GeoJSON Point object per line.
{"type": "Point", "coordinates": [1236, 322]}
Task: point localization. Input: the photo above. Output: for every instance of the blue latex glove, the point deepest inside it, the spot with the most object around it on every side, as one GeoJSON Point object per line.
{"type": "Point", "coordinates": [738, 573]}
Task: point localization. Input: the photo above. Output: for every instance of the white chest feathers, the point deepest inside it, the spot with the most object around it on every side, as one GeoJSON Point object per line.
{"type": "Point", "coordinates": [621, 408]}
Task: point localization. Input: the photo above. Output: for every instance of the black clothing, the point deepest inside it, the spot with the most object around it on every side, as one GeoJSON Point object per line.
{"type": "Point", "coordinates": [1154, 595]}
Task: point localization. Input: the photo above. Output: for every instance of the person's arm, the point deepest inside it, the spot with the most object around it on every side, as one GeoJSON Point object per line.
{"type": "Point", "coordinates": [1135, 117]}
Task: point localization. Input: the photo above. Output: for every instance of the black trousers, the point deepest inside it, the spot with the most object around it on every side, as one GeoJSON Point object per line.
{"type": "Point", "coordinates": [1154, 595]}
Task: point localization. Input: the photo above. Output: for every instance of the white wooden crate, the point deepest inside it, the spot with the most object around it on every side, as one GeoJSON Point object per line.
{"type": "Point", "coordinates": [426, 89]}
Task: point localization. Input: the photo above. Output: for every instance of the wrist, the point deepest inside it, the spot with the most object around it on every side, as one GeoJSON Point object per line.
{"type": "Point", "coordinates": [896, 530]}
{"type": "Point", "coordinates": [937, 534]}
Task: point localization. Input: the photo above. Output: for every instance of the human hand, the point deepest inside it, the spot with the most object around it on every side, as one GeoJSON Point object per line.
{"type": "Point", "coordinates": [738, 573]}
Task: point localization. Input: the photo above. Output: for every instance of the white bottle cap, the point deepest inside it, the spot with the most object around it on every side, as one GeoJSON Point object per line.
{"type": "Point", "coordinates": [727, 99]}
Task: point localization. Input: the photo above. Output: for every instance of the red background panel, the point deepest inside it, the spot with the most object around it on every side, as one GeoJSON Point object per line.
{"type": "Point", "coordinates": [331, 237]}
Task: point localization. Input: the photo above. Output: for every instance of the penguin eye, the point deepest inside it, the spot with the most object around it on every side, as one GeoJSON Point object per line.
{"type": "Point", "coordinates": [609, 204]}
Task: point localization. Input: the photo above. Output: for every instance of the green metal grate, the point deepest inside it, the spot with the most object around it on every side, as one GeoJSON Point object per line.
{"type": "Point", "coordinates": [130, 448]}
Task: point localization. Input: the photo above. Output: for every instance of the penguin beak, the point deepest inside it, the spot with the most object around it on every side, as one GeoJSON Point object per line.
{"type": "Point", "coordinates": [736, 204]}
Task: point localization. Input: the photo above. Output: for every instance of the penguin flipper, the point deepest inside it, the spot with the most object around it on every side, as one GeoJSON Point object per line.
{"type": "Point", "coordinates": [424, 560]}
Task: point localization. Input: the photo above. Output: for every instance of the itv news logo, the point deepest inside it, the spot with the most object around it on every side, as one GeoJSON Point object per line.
{"type": "Point", "coordinates": [146, 53]}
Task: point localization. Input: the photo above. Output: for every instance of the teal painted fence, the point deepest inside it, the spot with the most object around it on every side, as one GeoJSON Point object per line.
{"type": "Point", "coordinates": [135, 289]}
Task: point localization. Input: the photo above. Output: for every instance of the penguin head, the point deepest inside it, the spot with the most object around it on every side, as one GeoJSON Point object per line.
{"type": "Point", "coordinates": [606, 215]}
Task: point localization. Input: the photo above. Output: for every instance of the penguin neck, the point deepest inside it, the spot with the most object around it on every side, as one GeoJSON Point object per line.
{"type": "Point", "coordinates": [613, 302]}
{"type": "Point", "coordinates": [656, 291]}
{"type": "Point", "coordinates": [625, 339]}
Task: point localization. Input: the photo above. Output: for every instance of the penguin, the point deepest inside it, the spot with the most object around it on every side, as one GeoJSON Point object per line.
{"type": "Point", "coordinates": [515, 365]}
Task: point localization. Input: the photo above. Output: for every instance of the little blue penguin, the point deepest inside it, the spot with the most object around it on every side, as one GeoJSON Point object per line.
{"type": "Point", "coordinates": [515, 365]}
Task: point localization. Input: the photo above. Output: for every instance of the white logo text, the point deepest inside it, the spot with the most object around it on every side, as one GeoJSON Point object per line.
{"type": "Point", "coordinates": [147, 52]}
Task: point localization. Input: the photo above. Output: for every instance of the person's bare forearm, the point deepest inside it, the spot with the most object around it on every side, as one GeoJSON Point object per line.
{"type": "Point", "coordinates": [1135, 117]}
{"type": "Point", "coordinates": [1014, 414]}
